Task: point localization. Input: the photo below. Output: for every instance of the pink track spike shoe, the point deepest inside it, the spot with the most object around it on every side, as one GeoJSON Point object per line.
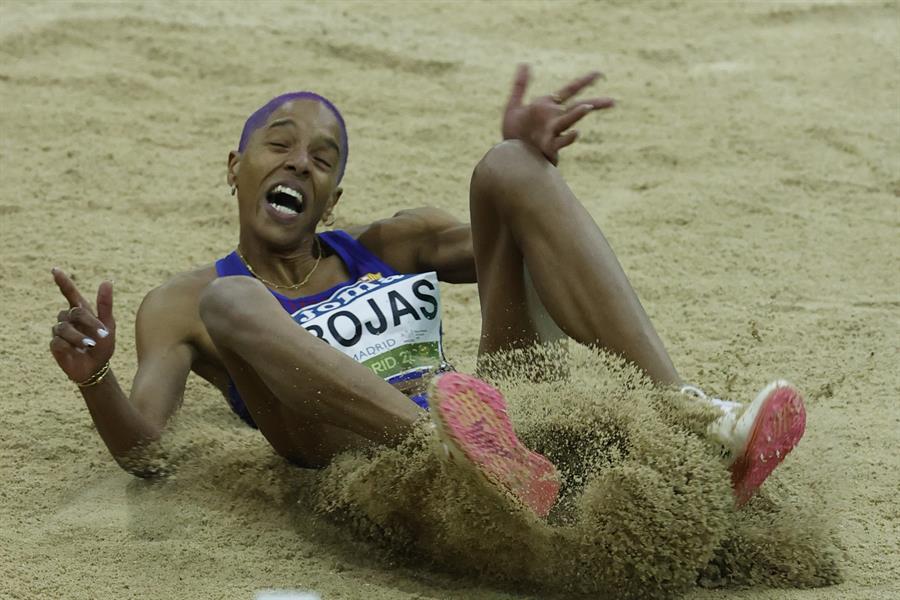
{"type": "Point", "coordinates": [765, 431]}
{"type": "Point", "coordinates": [471, 420]}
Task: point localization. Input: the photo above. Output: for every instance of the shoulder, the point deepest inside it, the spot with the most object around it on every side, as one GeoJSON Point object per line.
{"type": "Point", "coordinates": [183, 287]}
{"type": "Point", "coordinates": [172, 307]}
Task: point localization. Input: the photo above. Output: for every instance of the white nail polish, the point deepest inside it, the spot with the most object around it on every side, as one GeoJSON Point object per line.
{"type": "Point", "coordinates": [102, 333]}
{"type": "Point", "coordinates": [88, 342]}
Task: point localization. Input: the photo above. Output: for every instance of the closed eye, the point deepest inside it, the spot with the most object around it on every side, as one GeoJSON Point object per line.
{"type": "Point", "coordinates": [323, 162]}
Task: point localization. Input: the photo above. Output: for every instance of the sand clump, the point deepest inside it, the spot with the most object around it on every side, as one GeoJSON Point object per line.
{"type": "Point", "coordinates": [646, 507]}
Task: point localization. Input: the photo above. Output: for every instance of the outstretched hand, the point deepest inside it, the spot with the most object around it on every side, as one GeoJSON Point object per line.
{"type": "Point", "coordinates": [545, 122]}
{"type": "Point", "coordinates": [83, 340]}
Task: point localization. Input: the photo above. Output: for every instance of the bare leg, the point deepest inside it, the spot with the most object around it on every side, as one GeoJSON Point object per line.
{"type": "Point", "coordinates": [309, 401]}
{"type": "Point", "coordinates": [523, 213]}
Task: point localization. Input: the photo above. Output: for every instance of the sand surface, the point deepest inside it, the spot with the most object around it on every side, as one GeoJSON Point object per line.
{"type": "Point", "coordinates": [748, 180]}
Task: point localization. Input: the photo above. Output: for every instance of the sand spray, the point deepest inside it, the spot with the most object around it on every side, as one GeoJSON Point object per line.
{"type": "Point", "coordinates": [646, 508]}
{"type": "Point", "coordinates": [645, 511]}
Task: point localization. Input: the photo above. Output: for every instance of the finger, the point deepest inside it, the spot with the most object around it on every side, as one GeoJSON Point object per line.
{"type": "Point", "coordinates": [567, 139]}
{"type": "Point", "coordinates": [68, 289]}
{"type": "Point", "coordinates": [579, 84]}
{"type": "Point", "coordinates": [520, 84]}
{"type": "Point", "coordinates": [570, 117]}
{"type": "Point", "coordinates": [85, 321]}
{"type": "Point", "coordinates": [63, 316]}
{"type": "Point", "coordinates": [73, 336]}
{"type": "Point", "coordinates": [104, 307]}
{"type": "Point", "coordinates": [60, 347]}
{"type": "Point", "coordinates": [599, 103]}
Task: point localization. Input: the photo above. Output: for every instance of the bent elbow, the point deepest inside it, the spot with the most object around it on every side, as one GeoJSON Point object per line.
{"type": "Point", "coordinates": [145, 471]}
{"type": "Point", "coordinates": [146, 461]}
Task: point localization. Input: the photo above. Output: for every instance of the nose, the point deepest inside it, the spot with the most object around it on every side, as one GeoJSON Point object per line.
{"type": "Point", "coordinates": [298, 161]}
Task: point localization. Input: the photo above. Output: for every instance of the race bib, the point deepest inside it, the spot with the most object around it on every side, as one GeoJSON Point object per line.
{"type": "Point", "coordinates": [390, 324]}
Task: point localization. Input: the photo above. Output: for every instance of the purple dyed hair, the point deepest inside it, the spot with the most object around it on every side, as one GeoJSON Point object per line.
{"type": "Point", "coordinates": [259, 118]}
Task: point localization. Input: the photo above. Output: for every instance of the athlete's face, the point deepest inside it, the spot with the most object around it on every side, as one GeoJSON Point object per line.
{"type": "Point", "coordinates": [286, 178]}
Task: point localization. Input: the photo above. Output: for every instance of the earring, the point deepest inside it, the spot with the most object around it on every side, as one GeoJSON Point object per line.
{"type": "Point", "coordinates": [233, 190]}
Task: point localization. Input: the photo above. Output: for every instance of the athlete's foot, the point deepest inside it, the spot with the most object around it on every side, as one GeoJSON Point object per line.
{"type": "Point", "coordinates": [471, 421]}
{"type": "Point", "coordinates": [757, 436]}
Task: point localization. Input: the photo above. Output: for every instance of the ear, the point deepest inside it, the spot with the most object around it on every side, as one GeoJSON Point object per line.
{"type": "Point", "coordinates": [336, 196]}
{"type": "Point", "coordinates": [332, 202]}
{"type": "Point", "coordinates": [234, 164]}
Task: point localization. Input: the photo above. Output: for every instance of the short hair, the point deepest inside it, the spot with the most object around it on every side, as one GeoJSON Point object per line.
{"type": "Point", "coordinates": [258, 119]}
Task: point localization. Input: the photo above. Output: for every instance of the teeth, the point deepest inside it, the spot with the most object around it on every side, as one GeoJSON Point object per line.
{"type": "Point", "coordinates": [284, 209]}
{"type": "Point", "coordinates": [286, 190]}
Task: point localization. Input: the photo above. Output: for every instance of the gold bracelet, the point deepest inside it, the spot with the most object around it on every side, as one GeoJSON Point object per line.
{"type": "Point", "coordinates": [95, 378]}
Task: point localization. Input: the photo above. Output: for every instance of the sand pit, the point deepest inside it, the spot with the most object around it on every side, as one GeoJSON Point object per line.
{"type": "Point", "coordinates": [748, 181]}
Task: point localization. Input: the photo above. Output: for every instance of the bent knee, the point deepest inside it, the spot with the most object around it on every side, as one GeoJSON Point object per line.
{"type": "Point", "coordinates": [510, 162]}
{"type": "Point", "coordinates": [222, 301]}
{"type": "Point", "coordinates": [511, 172]}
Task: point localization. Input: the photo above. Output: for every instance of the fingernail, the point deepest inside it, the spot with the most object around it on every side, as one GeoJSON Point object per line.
{"type": "Point", "coordinates": [88, 342]}
{"type": "Point", "coordinates": [102, 333]}
{"type": "Point", "coordinates": [82, 350]}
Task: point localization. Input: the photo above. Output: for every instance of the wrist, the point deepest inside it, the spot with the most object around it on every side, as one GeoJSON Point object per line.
{"type": "Point", "coordinates": [96, 378]}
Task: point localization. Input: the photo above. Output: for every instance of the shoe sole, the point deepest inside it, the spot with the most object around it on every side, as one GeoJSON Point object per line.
{"type": "Point", "coordinates": [471, 420]}
{"type": "Point", "coordinates": [778, 425]}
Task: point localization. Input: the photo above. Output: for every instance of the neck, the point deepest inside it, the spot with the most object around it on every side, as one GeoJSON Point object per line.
{"type": "Point", "coordinates": [281, 268]}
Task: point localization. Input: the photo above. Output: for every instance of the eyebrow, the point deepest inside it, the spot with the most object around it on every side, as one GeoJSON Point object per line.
{"type": "Point", "coordinates": [329, 141]}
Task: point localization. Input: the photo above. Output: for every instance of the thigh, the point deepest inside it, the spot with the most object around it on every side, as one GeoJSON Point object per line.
{"type": "Point", "coordinates": [512, 315]}
{"type": "Point", "coordinates": [505, 323]}
{"type": "Point", "coordinates": [297, 437]}
{"type": "Point", "coordinates": [294, 386]}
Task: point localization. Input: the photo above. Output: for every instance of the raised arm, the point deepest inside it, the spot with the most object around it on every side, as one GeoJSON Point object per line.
{"type": "Point", "coordinates": [83, 344]}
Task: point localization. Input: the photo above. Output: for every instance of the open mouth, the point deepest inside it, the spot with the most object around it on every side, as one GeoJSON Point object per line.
{"type": "Point", "coordinates": [285, 200]}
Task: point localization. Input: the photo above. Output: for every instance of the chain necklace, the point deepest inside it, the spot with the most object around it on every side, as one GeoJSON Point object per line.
{"type": "Point", "coordinates": [285, 287]}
